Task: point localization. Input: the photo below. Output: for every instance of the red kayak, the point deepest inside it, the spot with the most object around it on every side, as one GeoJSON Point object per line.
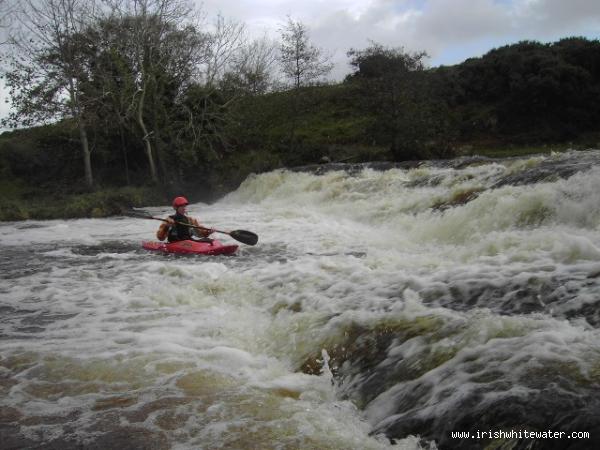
{"type": "Point", "coordinates": [191, 247]}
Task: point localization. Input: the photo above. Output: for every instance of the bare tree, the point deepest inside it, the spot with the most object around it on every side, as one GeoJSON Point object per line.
{"type": "Point", "coordinates": [225, 41]}
{"type": "Point", "coordinates": [303, 64]}
{"type": "Point", "coordinates": [46, 71]}
{"type": "Point", "coordinates": [149, 24]}
{"type": "Point", "coordinates": [6, 11]}
{"type": "Point", "coordinates": [255, 65]}
{"type": "Point", "coordinates": [301, 61]}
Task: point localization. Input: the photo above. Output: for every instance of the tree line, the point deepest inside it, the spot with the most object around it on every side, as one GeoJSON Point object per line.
{"type": "Point", "coordinates": [393, 106]}
{"type": "Point", "coordinates": [143, 72]}
{"type": "Point", "coordinates": [149, 91]}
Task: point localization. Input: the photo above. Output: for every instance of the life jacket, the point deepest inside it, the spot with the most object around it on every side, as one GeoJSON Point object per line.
{"type": "Point", "coordinates": [179, 232]}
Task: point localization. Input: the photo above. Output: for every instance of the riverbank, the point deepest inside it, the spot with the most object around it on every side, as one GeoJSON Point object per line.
{"type": "Point", "coordinates": [21, 202]}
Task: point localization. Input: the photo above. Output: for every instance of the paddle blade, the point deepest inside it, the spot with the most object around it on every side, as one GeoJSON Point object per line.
{"type": "Point", "coordinates": [246, 237]}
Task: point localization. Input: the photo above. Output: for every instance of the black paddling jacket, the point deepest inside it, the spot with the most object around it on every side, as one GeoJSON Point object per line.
{"type": "Point", "coordinates": [179, 232]}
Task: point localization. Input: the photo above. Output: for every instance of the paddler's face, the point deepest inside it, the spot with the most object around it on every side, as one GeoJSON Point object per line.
{"type": "Point", "coordinates": [182, 210]}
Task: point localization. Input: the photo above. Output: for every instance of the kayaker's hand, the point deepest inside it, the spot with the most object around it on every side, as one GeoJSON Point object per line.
{"type": "Point", "coordinates": [170, 221]}
{"type": "Point", "coordinates": [209, 231]}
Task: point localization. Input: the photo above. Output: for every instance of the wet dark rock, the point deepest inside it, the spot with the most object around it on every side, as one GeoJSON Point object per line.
{"type": "Point", "coordinates": [11, 438]}
{"type": "Point", "coordinates": [551, 169]}
{"type": "Point", "coordinates": [552, 295]}
{"type": "Point", "coordinates": [362, 350]}
{"type": "Point", "coordinates": [9, 415]}
{"type": "Point", "coordinates": [45, 318]}
{"type": "Point", "coordinates": [548, 169]}
{"type": "Point", "coordinates": [105, 247]}
{"type": "Point", "coordinates": [321, 169]}
{"type": "Point", "coordinates": [546, 410]}
{"type": "Point", "coordinates": [50, 420]}
{"type": "Point", "coordinates": [369, 366]}
{"type": "Point", "coordinates": [458, 199]}
{"type": "Point", "coordinates": [279, 306]}
{"type": "Point", "coordinates": [554, 396]}
{"type": "Point", "coordinates": [28, 226]}
{"type": "Point", "coordinates": [469, 161]}
{"type": "Point", "coordinates": [114, 402]}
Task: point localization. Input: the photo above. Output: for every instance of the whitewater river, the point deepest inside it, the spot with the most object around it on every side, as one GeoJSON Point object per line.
{"type": "Point", "coordinates": [380, 309]}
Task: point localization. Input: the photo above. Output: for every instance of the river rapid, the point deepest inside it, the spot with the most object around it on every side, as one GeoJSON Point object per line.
{"type": "Point", "coordinates": [380, 309]}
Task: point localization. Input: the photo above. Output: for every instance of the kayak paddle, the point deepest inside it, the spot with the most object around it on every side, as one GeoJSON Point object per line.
{"type": "Point", "coordinates": [243, 236]}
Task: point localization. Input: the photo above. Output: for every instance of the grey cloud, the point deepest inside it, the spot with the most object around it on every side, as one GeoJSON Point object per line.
{"type": "Point", "coordinates": [553, 16]}
{"type": "Point", "coordinates": [443, 25]}
{"type": "Point", "coordinates": [460, 20]}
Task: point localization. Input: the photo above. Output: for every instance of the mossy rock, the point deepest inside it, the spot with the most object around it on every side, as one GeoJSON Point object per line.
{"type": "Point", "coordinates": [98, 212]}
{"type": "Point", "coordinates": [12, 211]}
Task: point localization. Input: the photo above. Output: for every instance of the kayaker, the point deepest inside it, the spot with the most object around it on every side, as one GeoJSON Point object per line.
{"type": "Point", "coordinates": [173, 230]}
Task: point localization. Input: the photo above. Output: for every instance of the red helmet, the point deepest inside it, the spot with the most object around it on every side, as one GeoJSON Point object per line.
{"type": "Point", "coordinates": [179, 201]}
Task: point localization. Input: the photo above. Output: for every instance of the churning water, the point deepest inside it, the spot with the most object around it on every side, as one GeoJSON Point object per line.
{"type": "Point", "coordinates": [380, 308]}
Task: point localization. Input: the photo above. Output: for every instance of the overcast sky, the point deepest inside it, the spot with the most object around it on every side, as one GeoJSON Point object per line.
{"type": "Point", "coordinates": [450, 31]}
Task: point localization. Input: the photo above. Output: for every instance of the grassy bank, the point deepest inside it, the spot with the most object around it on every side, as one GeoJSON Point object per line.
{"type": "Point", "coordinates": [502, 149]}
{"type": "Point", "coordinates": [20, 202]}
